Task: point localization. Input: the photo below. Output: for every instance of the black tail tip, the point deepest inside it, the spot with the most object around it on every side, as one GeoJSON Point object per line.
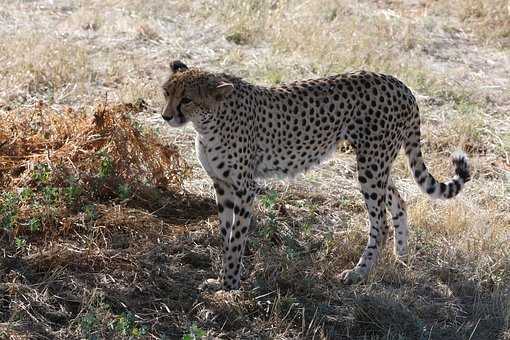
{"type": "Point", "coordinates": [460, 161]}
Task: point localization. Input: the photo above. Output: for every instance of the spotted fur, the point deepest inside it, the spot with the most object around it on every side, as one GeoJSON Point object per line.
{"type": "Point", "coordinates": [246, 131]}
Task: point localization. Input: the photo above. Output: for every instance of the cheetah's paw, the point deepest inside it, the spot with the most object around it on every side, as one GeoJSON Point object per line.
{"type": "Point", "coordinates": [210, 285]}
{"type": "Point", "coordinates": [351, 276]}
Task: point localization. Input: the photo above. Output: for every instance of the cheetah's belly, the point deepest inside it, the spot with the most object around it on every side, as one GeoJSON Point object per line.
{"type": "Point", "coordinates": [291, 163]}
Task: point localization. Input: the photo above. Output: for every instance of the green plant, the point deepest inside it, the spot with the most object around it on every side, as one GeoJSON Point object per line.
{"type": "Point", "coordinates": [34, 224]}
{"type": "Point", "coordinates": [41, 174]}
{"type": "Point", "coordinates": [90, 212]}
{"type": "Point", "coordinates": [98, 316]}
{"type": "Point", "coordinates": [26, 194]}
{"type": "Point", "coordinates": [333, 13]}
{"type": "Point", "coordinates": [50, 194]}
{"type": "Point", "coordinates": [307, 228]}
{"type": "Point", "coordinates": [8, 210]}
{"type": "Point", "coordinates": [106, 168]}
{"type": "Point", "coordinates": [72, 193]}
{"type": "Point", "coordinates": [195, 333]}
{"type": "Point", "coordinates": [329, 243]}
{"type": "Point", "coordinates": [125, 325]}
{"type": "Point", "coordinates": [269, 201]}
{"type": "Point", "coordinates": [20, 242]}
{"type": "Point", "coordinates": [124, 191]}
{"type": "Point", "coordinates": [269, 229]}
{"type": "Point", "coordinates": [291, 251]}
{"type": "Point", "coordinates": [88, 324]}
{"type": "Point", "coordinates": [238, 38]}
{"type": "Point", "coordinates": [275, 77]}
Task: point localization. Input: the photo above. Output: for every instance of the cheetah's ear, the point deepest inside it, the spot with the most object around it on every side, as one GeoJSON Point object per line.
{"type": "Point", "coordinates": [177, 66]}
{"type": "Point", "coordinates": [221, 91]}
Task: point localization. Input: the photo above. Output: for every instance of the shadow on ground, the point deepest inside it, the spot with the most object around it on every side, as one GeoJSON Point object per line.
{"type": "Point", "coordinates": [125, 283]}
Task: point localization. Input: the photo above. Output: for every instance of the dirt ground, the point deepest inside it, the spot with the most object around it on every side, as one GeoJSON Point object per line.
{"type": "Point", "coordinates": [90, 250]}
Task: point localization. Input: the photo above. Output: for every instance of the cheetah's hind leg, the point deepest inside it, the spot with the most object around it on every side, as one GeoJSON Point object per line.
{"type": "Point", "coordinates": [373, 182]}
{"type": "Point", "coordinates": [397, 207]}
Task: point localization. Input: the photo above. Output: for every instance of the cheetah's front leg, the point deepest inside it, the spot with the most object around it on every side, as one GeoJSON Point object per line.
{"type": "Point", "coordinates": [234, 209]}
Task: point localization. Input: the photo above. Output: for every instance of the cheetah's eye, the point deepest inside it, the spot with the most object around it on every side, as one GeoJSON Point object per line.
{"type": "Point", "coordinates": [185, 101]}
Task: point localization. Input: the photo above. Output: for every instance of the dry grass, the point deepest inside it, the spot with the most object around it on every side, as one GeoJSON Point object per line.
{"type": "Point", "coordinates": [56, 163]}
{"type": "Point", "coordinates": [488, 19]}
{"type": "Point", "coordinates": [311, 40]}
{"type": "Point", "coordinates": [42, 65]}
{"type": "Point", "coordinates": [100, 240]}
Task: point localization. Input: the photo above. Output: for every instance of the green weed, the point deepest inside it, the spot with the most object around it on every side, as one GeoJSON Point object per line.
{"type": "Point", "coordinates": [106, 168]}
{"type": "Point", "coordinates": [20, 242]}
{"type": "Point", "coordinates": [26, 194]}
{"type": "Point", "coordinates": [124, 191]}
{"type": "Point", "coordinates": [88, 324]}
{"type": "Point", "coordinates": [34, 224]}
{"type": "Point", "coordinates": [90, 212]}
{"type": "Point", "coordinates": [8, 210]}
{"type": "Point", "coordinates": [275, 77]}
{"type": "Point", "coordinates": [331, 15]}
{"type": "Point", "coordinates": [41, 174]}
{"type": "Point", "coordinates": [50, 194]}
{"type": "Point", "coordinates": [329, 243]}
{"type": "Point", "coordinates": [125, 325]}
{"type": "Point", "coordinates": [238, 38]}
{"type": "Point", "coordinates": [195, 333]}
{"type": "Point", "coordinates": [268, 201]}
{"type": "Point", "coordinates": [72, 193]}
{"type": "Point", "coordinates": [306, 228]}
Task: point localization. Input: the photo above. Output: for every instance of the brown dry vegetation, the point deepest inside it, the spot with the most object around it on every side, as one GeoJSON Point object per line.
{"type": "Point", "coordinates": [107, 233]}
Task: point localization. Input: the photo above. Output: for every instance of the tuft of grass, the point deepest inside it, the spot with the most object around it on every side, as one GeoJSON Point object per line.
{"type": "Point", "coordinates": [380, 317]}
{"type": "Point", "coordinates": [44, 65]}
{"type": "Point", "coordinates": [269, 202]}
{"type": "Point", "coordinates": [489, 19]}
{"type": "Point", "coordinates": [20, 243]}
{"type": "Point", "coordinates": [238, 38]}
{"type": "Point", "coordinates": [146, 32]}
{"type": "Point", "coordinates": [473, 234]}
{"type": "Point", "coordinates": [99, 320]}
{"type": "Point", "coordinates": [246, 20]}
{"type": "Point", "coordinates": [86, 19]}
{"type": "Point", "coordinates": [195, 333]}
{"type": "Point", "coordinates": [304, 40]}
{"type": "Point", "coordinates": [124, 191]}
{"type": "Point", "coordinates": [467, 129]}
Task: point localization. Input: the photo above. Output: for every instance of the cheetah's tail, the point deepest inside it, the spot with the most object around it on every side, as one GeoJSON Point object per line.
{"type": "Point", "coordinates": [426, 181]}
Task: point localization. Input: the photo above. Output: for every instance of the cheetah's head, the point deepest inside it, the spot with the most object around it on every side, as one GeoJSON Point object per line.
{"type": "Point", "coordinates": [191, 94]}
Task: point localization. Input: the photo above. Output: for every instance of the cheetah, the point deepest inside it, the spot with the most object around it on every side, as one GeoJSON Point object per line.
{"type": "Point", "coordinates": [247, 132]}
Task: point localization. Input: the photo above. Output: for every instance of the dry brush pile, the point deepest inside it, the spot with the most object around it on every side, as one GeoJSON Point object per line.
{"type": "Point", "coordinates": [77, 184]}
{"type": "Point", "coordinates": [55, 162]}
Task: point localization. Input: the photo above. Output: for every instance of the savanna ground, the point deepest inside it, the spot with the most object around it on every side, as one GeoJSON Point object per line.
{"type": "Point", "coordinates": [108, 225]}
